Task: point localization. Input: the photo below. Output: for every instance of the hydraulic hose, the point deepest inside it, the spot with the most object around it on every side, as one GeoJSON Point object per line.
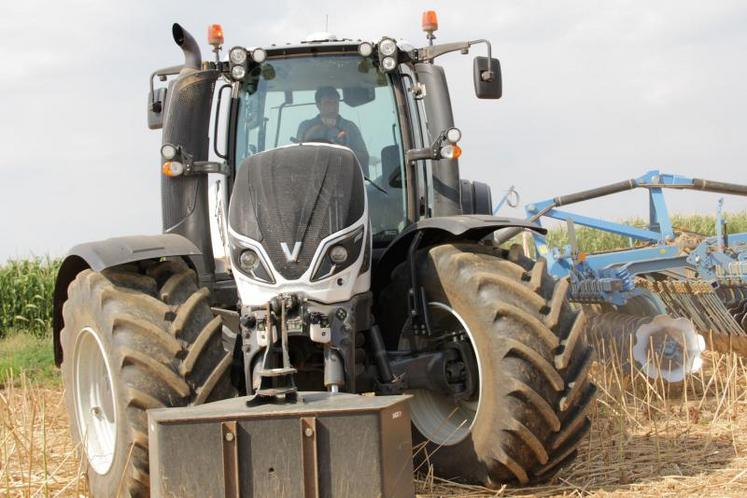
{"type": "Point", "coordinates": [379, 352]}
{"type": "Point", "coordinates": [585, 195]}
{"type": "Point", "coordinates": [719, 187]}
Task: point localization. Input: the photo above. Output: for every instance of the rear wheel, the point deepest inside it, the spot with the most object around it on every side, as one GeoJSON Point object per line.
{"type": "Point", "coordinates": [533, 363]}
{"type": "Point", "coordinates": [135, 338]}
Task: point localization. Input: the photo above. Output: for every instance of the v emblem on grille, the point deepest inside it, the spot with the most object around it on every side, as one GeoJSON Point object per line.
{"type": "Point", "coordinates": [291, 256]}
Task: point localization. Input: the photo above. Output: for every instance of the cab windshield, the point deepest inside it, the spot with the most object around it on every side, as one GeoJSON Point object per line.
{"type": "Point", "coordinates": [339, 99]}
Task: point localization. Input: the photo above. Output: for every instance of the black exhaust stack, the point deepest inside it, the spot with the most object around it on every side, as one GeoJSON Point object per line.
{"type": "Point", "coordinates": [184, 199]}
{"type": "Point", "coordinates": [192, 55]}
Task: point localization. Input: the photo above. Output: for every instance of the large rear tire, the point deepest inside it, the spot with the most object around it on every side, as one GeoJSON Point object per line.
{"type": "Point", "coordinates": [135, 337]}
{"type": "Point", "coordinates": [533, 361]}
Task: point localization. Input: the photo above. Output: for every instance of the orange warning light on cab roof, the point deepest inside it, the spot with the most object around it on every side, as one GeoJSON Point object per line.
{"type": "Point", "coordinates": [215, 35]}
{"type": "Point", "coordinates": [430, 21]}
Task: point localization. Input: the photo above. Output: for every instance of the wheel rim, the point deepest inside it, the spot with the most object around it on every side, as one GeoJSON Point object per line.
{"type": "Point", "coordinates": [95, 406]}
{"type": "Point", "coordinates": [438, 417]}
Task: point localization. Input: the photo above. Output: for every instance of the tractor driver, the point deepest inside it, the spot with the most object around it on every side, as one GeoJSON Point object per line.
{"type": "Point", "coordinates": [329, 126]}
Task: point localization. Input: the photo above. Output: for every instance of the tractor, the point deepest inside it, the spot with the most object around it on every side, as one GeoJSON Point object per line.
{"type": "Point", "coordinates": [317, 236]}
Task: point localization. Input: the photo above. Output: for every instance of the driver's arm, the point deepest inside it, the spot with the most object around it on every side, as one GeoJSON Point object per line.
{"type": "Point", "coordinates": [303, 128]}
{"type": "Point", "coordinates": [359, 146]}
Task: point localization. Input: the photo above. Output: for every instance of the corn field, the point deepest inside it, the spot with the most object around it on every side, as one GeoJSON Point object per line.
{"type": "Point", "coordinates": [26, 288]}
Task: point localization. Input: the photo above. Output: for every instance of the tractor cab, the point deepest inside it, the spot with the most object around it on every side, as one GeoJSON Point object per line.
{"type": "Point", "coordinates": [384, 100]}
{"type": "Point", "coordinates": [339, 98]}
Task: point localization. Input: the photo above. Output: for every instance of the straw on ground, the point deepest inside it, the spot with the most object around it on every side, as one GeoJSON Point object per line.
{"type": "Point", "coordinates": [647, 439]}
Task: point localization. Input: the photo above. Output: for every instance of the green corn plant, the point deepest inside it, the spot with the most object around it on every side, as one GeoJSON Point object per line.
{"type": "Point", "coordinates": [26, 288]}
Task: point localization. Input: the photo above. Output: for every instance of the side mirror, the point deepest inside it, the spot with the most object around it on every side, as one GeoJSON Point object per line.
{"type": "Point", "coordinates": [156, 104]}
{"type": "Point", "coordinates": [157, 97]}
{"type": "Point", "coordinates": [487, 75]}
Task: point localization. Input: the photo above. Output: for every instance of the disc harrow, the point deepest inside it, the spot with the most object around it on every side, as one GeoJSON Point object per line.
{"type": "Point", "coordinates": [696, 277]}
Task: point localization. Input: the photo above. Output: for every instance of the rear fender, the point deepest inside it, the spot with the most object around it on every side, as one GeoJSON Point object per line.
{"type": "Point", "coordinates": [442, 230]}
{"type": "Point", "coordinates": [105, 254]}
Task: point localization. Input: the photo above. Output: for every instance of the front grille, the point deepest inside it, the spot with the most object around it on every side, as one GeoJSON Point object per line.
{"type": "Point", "coordinates": [301, 193]}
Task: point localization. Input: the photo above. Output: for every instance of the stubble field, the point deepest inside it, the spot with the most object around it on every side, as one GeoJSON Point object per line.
{"type": "Point", "coordinates": [646, 440]}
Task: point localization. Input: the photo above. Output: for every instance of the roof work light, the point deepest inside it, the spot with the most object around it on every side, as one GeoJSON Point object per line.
{"type": "Point", "coordinates": [237, 55]}
{"type": "Point", "coordinates": [388, 54]}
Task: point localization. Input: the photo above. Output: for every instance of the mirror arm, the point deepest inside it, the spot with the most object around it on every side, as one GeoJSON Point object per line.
{"type": "Point", "coordinates": [485, 75]}
{"type": "Point", "coordinates": [427, 54]}
{"type": "Point", "coordinates": [486, 42]}
{"type": "Point", "coordinates": [162, 74]}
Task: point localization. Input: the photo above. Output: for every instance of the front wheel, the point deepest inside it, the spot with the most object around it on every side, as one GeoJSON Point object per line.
{"type": "Point", "coordinates": [135, 339]}
{"type": "Point", "coordinates": [528, 415]}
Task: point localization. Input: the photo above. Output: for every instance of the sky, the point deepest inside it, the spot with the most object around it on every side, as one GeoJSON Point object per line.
{"type": "Point", "coordinates": [594, 92]}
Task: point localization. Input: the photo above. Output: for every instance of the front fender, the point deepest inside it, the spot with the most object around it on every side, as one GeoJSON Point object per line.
{"type": "Point", "coordinates": [440, 230]}
{"type": "Point", "coordinates": [105, 254]}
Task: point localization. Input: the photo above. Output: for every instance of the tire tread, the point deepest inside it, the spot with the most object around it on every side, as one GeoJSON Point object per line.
{"type": "Point", "coordinates": [165, 342]}
{"type": "Point", "coordinates": [542, 357]}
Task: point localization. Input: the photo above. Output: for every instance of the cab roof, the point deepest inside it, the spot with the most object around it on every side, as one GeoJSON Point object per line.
{"type": "Point", "coordinates": [314, 43]}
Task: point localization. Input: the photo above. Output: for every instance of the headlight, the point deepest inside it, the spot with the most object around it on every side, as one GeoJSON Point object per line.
{"type": "Point", "coordinates": [365, 49]}
{"type": "Point", "coordinates": [237, 55]}
{"type": "Point", "coordinates": [248, 260]}
{"type": "Point", "coordinates": [259, 55]}
{"type": "Point", "coordinates": [238, 72]}
{"type": "Point", "coordinates": [338, 254]}
{"type": "Point", "coordinates": [453, 135]}
{"type": "Point", "coordinates": [387, 47]}
{"type": "Point", "coordinates": [388, 63]}
{"type": "Point", "coordinates": [168, 152]}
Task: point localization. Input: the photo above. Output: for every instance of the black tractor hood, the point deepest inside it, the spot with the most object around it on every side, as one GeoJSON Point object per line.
{"type": "Point", "coordinates": [296, 194]}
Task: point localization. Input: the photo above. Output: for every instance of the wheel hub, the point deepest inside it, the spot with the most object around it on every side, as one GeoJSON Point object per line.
{"type": "Point", "coordinates": [95, 406]}
{"type": "Point", "coordinates": [442, 418]}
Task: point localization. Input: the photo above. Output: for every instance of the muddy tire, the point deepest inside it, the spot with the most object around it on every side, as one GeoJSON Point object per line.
{"type": "Point", "coordinates": [534, 362]}
{"type": "Point", "coordinates": [135, 337]}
